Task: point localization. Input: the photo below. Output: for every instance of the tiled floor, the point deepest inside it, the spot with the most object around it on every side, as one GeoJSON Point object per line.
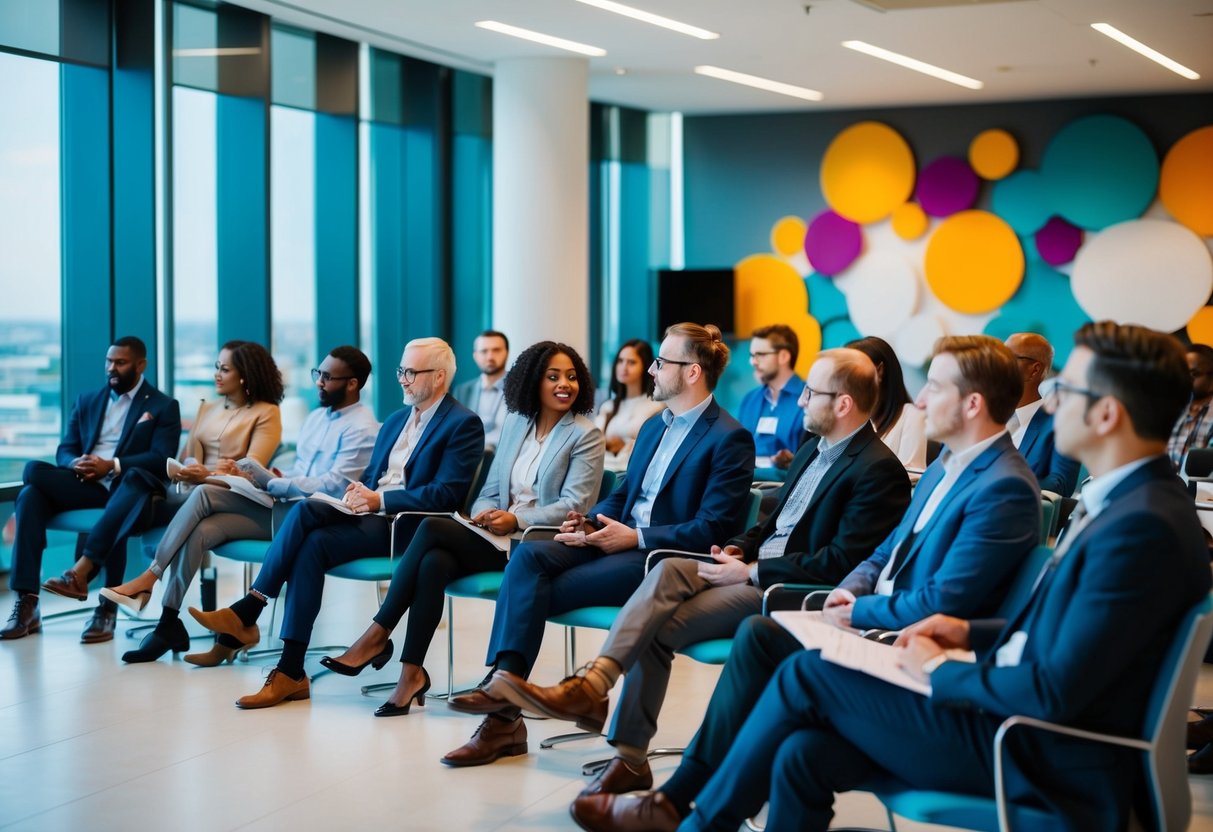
{"type": "Point", "coordinates": [86, 742]}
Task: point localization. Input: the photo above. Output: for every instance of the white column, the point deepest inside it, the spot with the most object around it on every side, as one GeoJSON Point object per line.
{"type": "Point", "coordinates": [541, 201]}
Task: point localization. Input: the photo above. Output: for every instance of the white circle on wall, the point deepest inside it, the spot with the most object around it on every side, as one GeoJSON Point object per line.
{"type": "Point", "coordinates": [882, 290]}
{"type": "Point", "coordinates": [1149, 272]}
{"type": "Point", "coordinates": [916, 339]}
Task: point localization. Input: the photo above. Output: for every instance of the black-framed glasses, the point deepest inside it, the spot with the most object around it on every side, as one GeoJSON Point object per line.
{"type": "Point", "coordinates": [409, 374]}
{"type": "Point", "coordinates": [809, 393]}
{"type": "Point", "coordinates": [322, 376]}
{"type": "Point", "coordinates": [660, 363]}
{"type": "Point", "coordinates": [1051, 389]}
{"type": "Point", "coordinates": [762, 353]}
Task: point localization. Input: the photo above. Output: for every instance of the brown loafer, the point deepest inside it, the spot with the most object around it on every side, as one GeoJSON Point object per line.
{"type": "Point", "coordinates": [278, 688]}
{"type": "Point", "coordinates": [494, 739]}
{"type": "Point", "coordinates": [620, 778]}
{"type": "Point", "coordinates": [217, 655]}
{"type": "Point", "coordinates": [25, 619]}
{"type": "Point", "coordinates": [573, 700]}
{"type": "Point", "coordinates": [69, 585]}
{"type": "Point", "coordinates": [477, 701]}
{"type": "Point", "coordinates": [100, 627]}
{"type": "Point", "coordinates": [225, 621]}
{"type": "Point", "coordinates": [648, 811]}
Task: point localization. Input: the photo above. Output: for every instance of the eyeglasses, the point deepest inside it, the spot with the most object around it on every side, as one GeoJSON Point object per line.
{"type": "Point", "coordinates": [409, 374]}
{"type": "Point", "coordinates": [325, 378]}
{"type": "Point", "coordinates": [809, 393]}
{"type": "Point", "coordinates": [1028, 358]}
{"type": "Point", "coordinates": [762, 353]}
{"type": "Point", "coordinates": [1051, 389]}
{"type": "Point", "coordinates": [660, 363]}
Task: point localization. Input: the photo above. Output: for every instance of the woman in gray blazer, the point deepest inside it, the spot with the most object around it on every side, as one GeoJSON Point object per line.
{"type": "Point", "coordinates": [548, 463]}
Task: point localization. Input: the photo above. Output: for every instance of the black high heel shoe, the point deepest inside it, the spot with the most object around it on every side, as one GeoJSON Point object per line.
{"type": "Point", "coordinates": [159, 641]}
{"type": "Point", "coordinates": [377, 662]}
{"type": "Point", "coordinates": [388, 709]}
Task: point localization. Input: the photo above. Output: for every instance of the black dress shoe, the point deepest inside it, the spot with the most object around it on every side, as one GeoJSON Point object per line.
{"type": "Point", "coordinates": [377, 661]}
{"type": "Point", "coordinates": [25, 618]}
{"type": "Point", "coordinates": [158, 642]}
{"type": "Point", "coordinates": [101, 626]}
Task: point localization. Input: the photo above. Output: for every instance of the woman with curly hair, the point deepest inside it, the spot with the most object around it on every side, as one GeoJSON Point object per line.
{"type": "Point", "coordinates": [630, 405]}
{"type": "Point", "coordinates": [243, 421]}
{"type": "Point", "coordinates": [548, 463]}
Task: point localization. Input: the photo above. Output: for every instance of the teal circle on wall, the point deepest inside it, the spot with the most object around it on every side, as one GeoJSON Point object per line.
{"type": "Point", "coordinates": [1100, 170]}
{"type": "Point", "coordinates": [1043, 304]}
{"type": "Point", "coordinates": [826, 302]}
{"type": "Point", "coordinates": [1023, 201]}
{"type": "Point", "coordinates": [838, 333]}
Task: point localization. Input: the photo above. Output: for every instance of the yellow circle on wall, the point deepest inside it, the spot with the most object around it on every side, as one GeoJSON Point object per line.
{"type": "Point", "coordinates": [867, 171]}
{"type": "Point", "coordinates": [909, 221]}
{"type": "Point", "coordinates": [974, 262]}
{"type": "Point", "coordinates": [1200, 328]}
{"type": "Point", "coordinates": [768, 291]}
{"type": "Point", "coordinates": [787, 237]}
{"type": "Point", "coordinates": [994, 154]}
{"type": "Point", "coordinates": [1185, 184]}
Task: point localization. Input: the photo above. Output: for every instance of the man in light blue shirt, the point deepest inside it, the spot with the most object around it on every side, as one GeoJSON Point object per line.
{"type": "Point", "coordinates": [770, 411]}
{"type": "Point", "coordinates": [485, 394]}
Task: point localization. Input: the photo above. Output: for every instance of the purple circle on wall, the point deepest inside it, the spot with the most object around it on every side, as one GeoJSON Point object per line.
{"type": "Point", "coordinates": [1058, 241]}
{"type": "Point", "coordinates": [832, 243]}
{"type": "Point", "coordinates": [946, 186]}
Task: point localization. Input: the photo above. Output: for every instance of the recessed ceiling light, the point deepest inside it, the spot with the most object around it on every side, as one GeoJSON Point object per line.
{"type": "Point", "coordinates": [649, 17]}
{"type": "Point", "coordinates": [759, 83]}
{"type": "Point", "coordinates": [1141, 49]}
{"type": "Point", "coordinates": [914, 64]}
{"type": "Point", "coordinates": [539, 37]}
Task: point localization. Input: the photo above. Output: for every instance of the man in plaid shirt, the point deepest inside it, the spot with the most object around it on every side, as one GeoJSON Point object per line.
{"type": "Point", "coordinates": [1194, 427]}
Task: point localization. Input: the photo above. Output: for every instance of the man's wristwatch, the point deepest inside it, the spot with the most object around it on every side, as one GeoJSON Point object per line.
{"type": "Point", "coordinates": [931, 664]}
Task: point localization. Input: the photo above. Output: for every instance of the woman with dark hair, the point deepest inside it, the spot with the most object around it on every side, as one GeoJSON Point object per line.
{"type": "Point", "coordinates": [548, 463]}
{"type": "Point", "coordinates": [899, 424]}
{"type": "Point", "coordinates": [630, 405]}
{"type": "Point", "coordinates": [243, 421]}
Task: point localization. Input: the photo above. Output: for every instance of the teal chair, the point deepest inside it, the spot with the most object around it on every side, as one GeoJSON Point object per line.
{"type": "Point", "coordinates": [80, 522]}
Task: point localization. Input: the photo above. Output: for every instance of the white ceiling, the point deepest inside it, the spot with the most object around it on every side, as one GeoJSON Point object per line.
{"type": "Point", "coordinates": [1020, 49]}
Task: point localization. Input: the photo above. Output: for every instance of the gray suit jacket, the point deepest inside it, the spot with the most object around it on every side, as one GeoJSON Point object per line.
{"type": "Point", "coordinates": [468, 395]}
{"type": "Point", "coordinates": [570, 470]}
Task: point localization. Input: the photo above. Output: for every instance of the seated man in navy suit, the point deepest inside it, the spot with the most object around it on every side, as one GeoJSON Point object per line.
{"type": "Point", "coordinates": [1031, 427]}
{"type": "Point", "coordinates": [424, 460]}
{"type": "Point", "coordinates": [687, 486]}
{"type": "Point", "coordinates": [125, 426]}
{"type": "Point", "coordinates": [974, 517]}
{"type": "Point", "coordinates": [1085, 649]}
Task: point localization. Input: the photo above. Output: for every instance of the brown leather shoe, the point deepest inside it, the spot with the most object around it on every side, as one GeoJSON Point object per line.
{"type": "Point", "coordinates": [69, 585]}
{"type": "Point", "coordinates": [217, 655]}
{"type": "Point", "coordinates": [25, 618]}
{"type": "Point", "coordinates": [648, 811]}
{"type": "Point", "coordinates": [573, 700]}
{"type": "Point", "coordinates": [100, 627]}
{"type": "Point", "coordinates": [619, 778]}
{"type": "Point", "coordinates": [477, 701]}
{"type": "Point", "coordinates": [278, 688]}
{"type": "Point", "coordinates": [227, 622]}
{"type": "Point", "coordinates": [494, 739]}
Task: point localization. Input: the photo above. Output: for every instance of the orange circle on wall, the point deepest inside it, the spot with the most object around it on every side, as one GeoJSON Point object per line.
{"type": "Point", "coordinates": [1200, 328]}
{"type": "Point", "coordinates": [1185, 184]}
{"type": "Point", "coordinates": [909, 221]}
{"type": "Point", "coordinates": [787, 237]}
{"type": "Point", "coordinates": [974, 262]}
{"type": "Point", "coordinates": [867, 171]}
{"type": "Point", "coordinates": [994, 154]}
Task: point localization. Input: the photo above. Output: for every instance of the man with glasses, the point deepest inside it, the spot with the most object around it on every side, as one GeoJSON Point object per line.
{"type": "Point", "coordinates": [424, 460]}
{"type": "Point", "coordinates": [770, 411]}
{"type": "Point", "coordinates": [1194, 427]}
{"type": "Point", "coordinates": [847, 491]}
{"type": "Point", "coordinates": [1031, 426]}
{"type": "Point", "coordinates": [687, 487]}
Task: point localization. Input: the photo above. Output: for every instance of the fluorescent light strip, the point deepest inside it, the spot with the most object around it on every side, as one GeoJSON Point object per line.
{"type": "Point", "coordinates": [1141, 49]}
{"type": "Point", "coordinates": [220, 52]}
{"type": "Point", "coordinates": [759, 83]}
{"type": "Point", "coordinates": [649, 17]}
{"type": "Point", "coordinates": [914, 64]}
{"type": "Point", "coordinates": [539, 37]}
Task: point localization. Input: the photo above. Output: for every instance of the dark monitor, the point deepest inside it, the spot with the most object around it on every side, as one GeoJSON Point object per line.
{"type": "Point", "coordinates": [701, 296]}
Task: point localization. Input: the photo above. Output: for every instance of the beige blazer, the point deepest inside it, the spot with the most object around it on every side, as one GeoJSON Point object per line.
{"type": "Point", "coordinates": [255, 431]}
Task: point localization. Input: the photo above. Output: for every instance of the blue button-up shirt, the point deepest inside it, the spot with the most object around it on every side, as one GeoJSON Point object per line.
{"type": "Point", "coordinates": [333, 449]}
{"type": "Point", "coordinates": [676, 430]}
{"type": "Point", "coordinates": [789, 430]}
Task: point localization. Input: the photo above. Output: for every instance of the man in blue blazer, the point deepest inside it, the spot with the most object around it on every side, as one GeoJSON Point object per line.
{"type": "Point", "coordinates": [974, 517]}
{"type": "Point", "coordinates": [424, 460]}
{"type": "Point", "coordinates": [1084, 650]}
{"type": "Point", "coordinates": [1031, 427]}
{"type": "Point", "coordinates": [127, 425]}
{"type": "Point", "coordinates": [687, 486]}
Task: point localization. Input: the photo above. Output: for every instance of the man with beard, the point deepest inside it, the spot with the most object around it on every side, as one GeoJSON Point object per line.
{"type": "Point", "coordinates": [485, 396]}
{"type": "Point", "coordinates": [770, 411]}
{"type": "Point", "coordinates": [125, 426]}
{"type": "Point", "coordinates": [424, 460]}
{"type": "Point", "coordinates": [847, 491]}
{"type": "Point", "coordinates": [686, 486]}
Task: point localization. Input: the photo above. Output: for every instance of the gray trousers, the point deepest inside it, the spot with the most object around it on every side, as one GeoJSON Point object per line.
{"type": "Point", "coordinates": [210, 516]}
{"type": "Point", "coordinates": [673, 608]}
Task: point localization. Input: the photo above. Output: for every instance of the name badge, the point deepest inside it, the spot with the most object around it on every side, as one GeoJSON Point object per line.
{"type": "Point", "coordinates": [762, 462]}
{"type": "Point", "coordinates": [768, 425]}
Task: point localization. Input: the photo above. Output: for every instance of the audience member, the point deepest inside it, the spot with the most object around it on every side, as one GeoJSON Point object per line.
{"type": "Point", "coordinates": [1031, 427]}
{"type": "Point", "coordinates": [1194, 427]}
{"type": "Point", "coordinates": [898, 422]}
{"type": "Point", "coordinates": [630, 404]}
{"type": "Point", "coordinates": [485, 395]}
{"type": "Point", "coordinates": [770, 411]}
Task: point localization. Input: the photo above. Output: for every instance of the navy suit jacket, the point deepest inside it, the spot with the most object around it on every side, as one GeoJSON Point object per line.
{"type": "Point", "coordinates": [963, 561]}
{"type": "Point", "coordinates": [1097, 627]}
{"type": "Point", "coordinates": [1053, 471]}
{"type": "Point", "coordinates": [150, 434]}
{"type": "Point", "coordinates": [860, 499]}
{"type": "Point", "coordinates": [438, 475]}
{"type": "Point", "coordinates": [705, 494]}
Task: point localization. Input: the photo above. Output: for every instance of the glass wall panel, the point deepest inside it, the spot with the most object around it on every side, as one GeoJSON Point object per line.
{"type": "Point", "coordinates": [30, 24]}
{"type": "Point", "coordinates": [293, 67]}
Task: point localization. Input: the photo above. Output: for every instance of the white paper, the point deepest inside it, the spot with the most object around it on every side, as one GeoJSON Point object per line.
{"type": "Point", "coordinates": [340, 505]}
{"type": "Point", "coordinates": [501, 541]}
{"type": "Point", "coordinates": [242, 487]}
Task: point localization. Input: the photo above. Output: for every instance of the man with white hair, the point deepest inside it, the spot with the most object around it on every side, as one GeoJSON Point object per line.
{"type": "Point", "coordinates": [424, 460]}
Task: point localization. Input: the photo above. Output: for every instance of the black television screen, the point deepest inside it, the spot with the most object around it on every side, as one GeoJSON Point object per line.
{"type": "Point", "coordinates": [702, 296]}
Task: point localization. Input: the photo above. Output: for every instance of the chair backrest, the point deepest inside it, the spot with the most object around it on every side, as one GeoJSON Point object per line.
{"type": "Point", "coordinates": [1166, 719]}
{"type": "Point", "coordinates": [608, 484]}
{"type": "Point", "coordinates": [1048, 515]}
{"type": "Point", "coordinates": [751, 516]}
{"type": "Point", "coordinates": [478, 479]}
{"type": "Point", "coordinates": [1024, 580]}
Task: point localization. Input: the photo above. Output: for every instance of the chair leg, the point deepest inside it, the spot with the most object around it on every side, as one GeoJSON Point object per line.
{"type": "Point", "coordinates": [560, 739]}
